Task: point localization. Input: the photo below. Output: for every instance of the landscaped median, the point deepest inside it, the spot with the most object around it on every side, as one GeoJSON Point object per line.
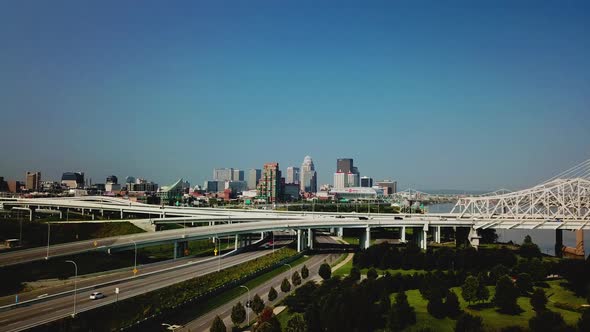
{"type": "Point", "coordinates": [137, 310]}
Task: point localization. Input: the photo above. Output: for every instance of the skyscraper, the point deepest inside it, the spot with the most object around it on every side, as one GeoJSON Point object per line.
{"type": "Point", "coordinates": [238, 175]}
{"type": "Point", "coordinates": [253, 178]}
{"type": "Point", "coordinates": [33, 181]}
{"type": "Point", "coordinates": [340, 180]}
{"type": "Point", "coordinates": [353, 180]}
{"type": "Point", "coordinates": [292, 175]}
{"type": "Point", "coordinates": [344, 165]}
{"type": "Point", "coordinates": [223, 174]}
{"type": "Point", "coordinates": [270, 182]}
{"type": "Point", "coordinates": [366, 182]}
{"type": "Point", "coordinates": [308, 182]}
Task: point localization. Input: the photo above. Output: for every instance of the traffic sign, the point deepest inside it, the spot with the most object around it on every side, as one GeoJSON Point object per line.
{"type": "Point", "coordinates": [215, 251]}
{"type": "Point", "coordinates": [95, 243]}
{"type": "Point", "coordinates": [117, 290]}
{"type": "Point", "coordinates": [135, 271]}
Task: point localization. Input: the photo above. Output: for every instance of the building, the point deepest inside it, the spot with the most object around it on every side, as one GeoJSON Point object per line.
{"type": "Point", "coordinates": [3, 185]}
{"type": "Point", "coordinates": [292, 175]}
{"type": "Point", "coordinates": [353, 180]}
{"type": "Point", "coordinates": [112, 179]}
{"type": "Point", "coordinates": [389, 187]}
{"type": "Point", "coordinates": [210, 186]}
{"type": "Point", "coordinates": [130, 179]}
{"type": "Point", "coordinates": [344, 165]}
{"type": "Point", "coordinates": [238, 175]}
{"type": "Point", "coordinates": [223, 174]}
{"type": "Point", "coordinates": [357, 193]}
{"type": "Point", "coordinates": [33, 181]}
{"type": "Point", "coordinates": [340, 180]}
{"type": "Point", "coordinates": [237, 186]}
{"type": "Point", "coordinates": [308, 182]}
{"type": "Point", "coordinates": [366, 182]}
{"type": "Point", "coordinates": [291, 192]}
{"type": "Point", "coordinates": [172, 193]}
{"type": "Point", "coordinates": [143, 186]}
{"type": "Point", "coordinates": [73, 180]}
{"type": "Point", "coordinates": [269, 186]}
{"type": "Point", "coordinates": [253, 178]}
{"type": "Point", "coordinates": [14, 186]}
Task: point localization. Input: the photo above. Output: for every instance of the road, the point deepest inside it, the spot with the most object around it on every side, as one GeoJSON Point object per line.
{"type": "Point", "coordinates": [203, 323]}
{"type": "Point", "coordinates": [42, 312]}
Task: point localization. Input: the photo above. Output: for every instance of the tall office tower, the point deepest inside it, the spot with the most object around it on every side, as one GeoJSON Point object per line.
{"type": "Point", "coordinates": [344, 165]}
{"type": "Point", "coordinates": [112, 179]}
{"type": "Point", "coordinates": [253, 178]}
{"type": "Point", "coordinates": [353, 180]}
{"type": "Point", "coordinates": [389, 187]}
{"type": "Point", "coordinates": [33, 181]}
{"type": "Point", "coordinates": [238, 175]}
{"type": "Point", "coordinates": [292, 175]}
{"type": "Point", "coordinates": [340, 180]}
{"type": "Point", "coordinates": [366, 182]}
{"type": "Point", "coordinates": [73, 180]}
{"type": "Point", "coordinates": [270, 183]}
{"type": "Point", "coordinates": [223, 174]}
{"type": "Point", "coordinates": [308, 182]}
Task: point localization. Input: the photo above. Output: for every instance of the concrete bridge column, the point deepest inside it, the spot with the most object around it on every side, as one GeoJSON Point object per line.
{"type": "Point", "coordinates": [340, 231]}
{"type": "Point", "coordinates": [403, 234]}
{"type": "Point", "coordinates": [421, 236]}
{"type": "Point", "coordinates": [31, 212]}
{"type": "Point", "coordinates": [179, 248]}
{"type": "Point", "coordinates": [121, 213]}
{"type": "Point", "coordinates": [436, 234]}
{"type": "Point", "coordinates": [365, 239]}
{"type": "Point", "coordinates": [237, 242]}
{"type": "Point", "coordinates": [559, 243]}
{"type": "Point", "coordinates": [310, 238]}
{"type": "Point", "coordinates": [474, 237]}
{"type": "Point", "coordinates": [299, 243]}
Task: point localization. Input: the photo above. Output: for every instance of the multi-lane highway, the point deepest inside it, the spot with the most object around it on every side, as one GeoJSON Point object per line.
{"type": "Point", "coordinates": [41, 312]}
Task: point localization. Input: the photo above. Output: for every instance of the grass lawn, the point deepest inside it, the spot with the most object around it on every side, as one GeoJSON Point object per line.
{"type": "Point", "coordinates": [284, 317]}
{"type": "Point", "coordinates": [344, 270]}
{"type": "Point", "coordinates": [493, 320]}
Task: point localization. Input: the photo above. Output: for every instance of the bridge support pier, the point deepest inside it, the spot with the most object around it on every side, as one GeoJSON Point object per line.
{"type": "Point", "coordinates": [474, 237]}
{"type": "Point", "coordinates": [403, 234]}
{"type": "Point", "coordinates": [421, 237]}
{"type": "Point", "coordinates": [180, 248]}
{"type": "Point", "coordinates": [310, 238]}
{"type": "Point", "coordinates": [365, 239]}
{"type": "Point", "coordinates": [436, 234]}
{"type": "Point", "coordinates": [237, 242]}
{"type": "Point", "coordinates": [558, 243]}
{"type": "Point", "coordinates": [299, 242]}
{"type": "Point", "coordinates": [340, 231]}
{"type": "Point", "coordinates": [121, 213]}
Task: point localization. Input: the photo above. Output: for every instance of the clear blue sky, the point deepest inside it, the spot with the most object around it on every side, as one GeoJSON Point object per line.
{"type": "Point", "coordinates": [460, 95]}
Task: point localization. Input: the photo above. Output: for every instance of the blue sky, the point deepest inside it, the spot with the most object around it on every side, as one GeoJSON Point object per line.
{"type": "Point", "coordinates": [437, 95]}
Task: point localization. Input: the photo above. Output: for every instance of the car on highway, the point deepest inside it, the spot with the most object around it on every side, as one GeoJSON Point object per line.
{"type": "Point", "coordinates": [96, 296]}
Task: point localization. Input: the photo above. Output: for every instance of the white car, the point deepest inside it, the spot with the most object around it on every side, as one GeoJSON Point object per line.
{"type": "Point", "coordinates": [96, 296]}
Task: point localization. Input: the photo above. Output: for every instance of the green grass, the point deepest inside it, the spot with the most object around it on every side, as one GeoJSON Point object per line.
{"type": "Point", "coordinates": [340, 259]}
{"type": "Point", "coordinates": [284, 317]}
{"type": "Point", "coordinates": [493, 320]}
{"type": "Point", "coordinates": [344, 270]}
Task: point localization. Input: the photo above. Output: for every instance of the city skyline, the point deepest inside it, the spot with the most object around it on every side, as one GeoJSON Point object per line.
{"type": "Point", "coordinates": [484, 96]}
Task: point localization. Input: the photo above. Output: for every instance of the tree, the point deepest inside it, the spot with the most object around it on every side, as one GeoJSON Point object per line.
{"type": "Point", "coordinates": [584, 321]}
{"type": "Point", "coordinates": [257, 304]}
{"type": "Point", "coordinates": [452, 306]}
{"type": "Point", "coordinates": [285, 285]}
{"type": "Point", "coordinates": [272, 294]}
{"type": "Point", "coordinates": [482, 293]}
{"type": "Point", "coordinates": [304, 272]}
{"type": "Point", "coordinates": [325, 271]}
{"type": "Point", "coordinates": [267, 321]}
{"type": "Point", "coordinates": [436, 307]}
{"type": "Point", "coordinates": [506, 296]}
{"type": "Point", "coordinates": [528, 249]}
{"type": "Point", "coordinates": [296, 279]}
{"type": "Point", "coordinates": [524, 283]}
{"type": "Point", "coordinates": [296, 324]}
{"type": "Point", "coordinates": [547, 320]}
{"type": "Point", "coordinates": [469, 323]}
{"type": "Point", "coordinates": [238, 314]}
{"type": "Point", "coordinates": [401, 314]}
{"type": "Point", "coordinates": [539, 300]}
{"type": "Point", "coordinates": [497, 271]}
{"type": "Point", "coordinates": [217, 325]}
{"type": "Point", "coordinates": [469, 289]}
{"type": "Point", "coordinates": [372, 274]}
{"type": "Point", "coordinates": [355, 274]}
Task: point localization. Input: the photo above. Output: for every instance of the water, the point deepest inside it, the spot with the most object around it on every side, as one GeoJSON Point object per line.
{"type": "Point", "coordinates": [545, 239]}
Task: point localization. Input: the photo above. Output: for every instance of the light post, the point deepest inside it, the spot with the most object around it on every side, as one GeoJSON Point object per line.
{"type": "Point", "coordinates": [290, 267]}
{"type": "Point", "coordinates": [218, 253]}
{"type": "Point", "coordinates": [48, 234]}
{"type": "Point", "coordinates": [273, 242]}
{"type": "Point", "coordinates": [135, 258]}
{"type": "Point", "coordinates": [247, 304]}
{"type": "Point", "coordinates": [75, 284]}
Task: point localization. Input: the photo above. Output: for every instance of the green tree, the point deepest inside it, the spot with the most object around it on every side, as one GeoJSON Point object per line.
{"type": "Point", "coordinates": [469, 289]}
{"type": "Point", "coordinates": [506, 296]}
{"type": "Point", "coordinates": [296, 324]}
{"type": "Point", "coordinates": [497, 271]}
{"type": "Point", "coordinates": [469, 323]}
{"type": "Point", "coordinates": [372, 274]}
{"type": "Point", "coordinates": [524, 283]}
{"type": "Point", "coordinates": [401, 314]}
{"type": "Point", "coordinates": [452, 306]}
{"type": "Point", "coordinates": [296, 279]}
{"type": "Point", "coordinates": [257, 304]}
{"type": "Point", "coordinates": [304, 272]}
{"type": "Point", "coordinates": [272, 294]}
{"type": "Point", "coordinates": [217, 325]}
{"type": "Point", "coordinates": [547, 321]}
{"type": "Point", "coordinates": [355, 274]}
{"type": "Point", "coordinates": [436, 307]}
{"type": "Point", "coordinates": [238, 314]}
{"type": "Point", "coordinates": [325, 271]}
{"type": "Point", "coordinates": [539, 300]}
{"type": "Point", "coordinates": [285, 285]}
{"type": "Point", "coordinates": [528, 249]}
{"type": "Point", "coordinates": [482, 293]}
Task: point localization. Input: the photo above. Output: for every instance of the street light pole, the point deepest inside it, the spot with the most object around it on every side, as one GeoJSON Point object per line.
{"type": "Point", "coordinates": [218, 253]}
{"type": "Point", "coordinates": [135, 258]}
{"type": "Point", "coordinates": [75, 284]}
{"type": "Point", "coordinates": [247, 306]}
{"type": "Point", "coordinates": [290, 268]}
{"type": "Point", "coordinates": [48, 234]}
